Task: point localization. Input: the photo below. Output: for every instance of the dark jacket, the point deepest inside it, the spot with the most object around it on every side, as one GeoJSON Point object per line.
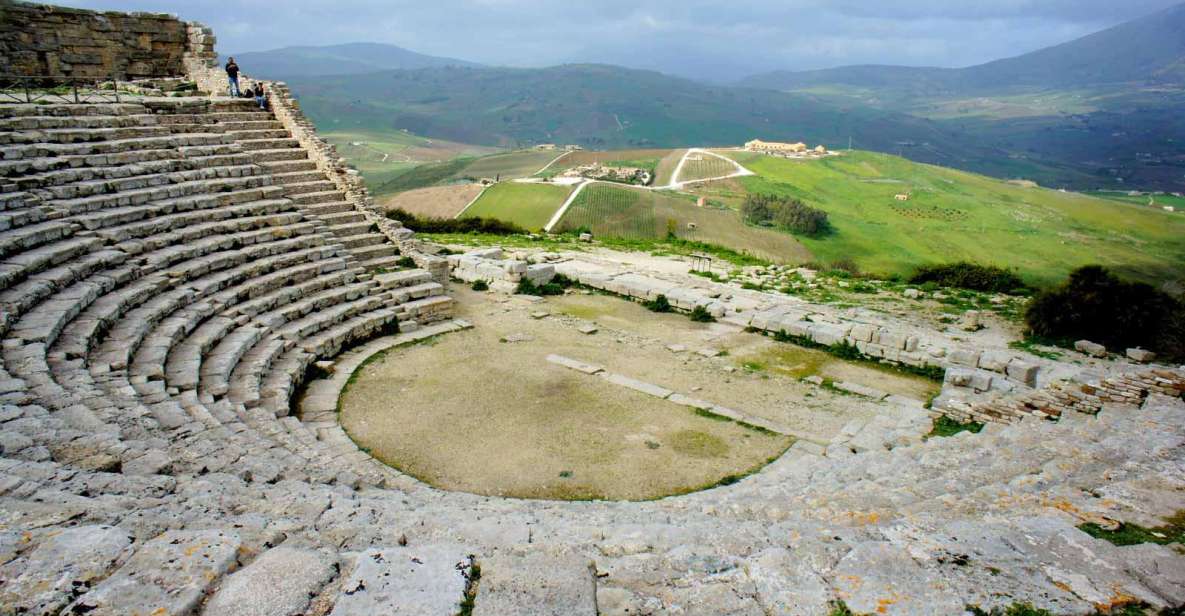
{"type": "Point", "coordinates": [258, 90]}
{"type": "Point", "coordinates": [232, 69]}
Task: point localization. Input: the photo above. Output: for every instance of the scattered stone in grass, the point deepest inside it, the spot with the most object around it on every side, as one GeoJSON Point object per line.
{"type": "Point", "coordinates": [540, 314]}
{"type": "Point", "coordinates": [587, 330]}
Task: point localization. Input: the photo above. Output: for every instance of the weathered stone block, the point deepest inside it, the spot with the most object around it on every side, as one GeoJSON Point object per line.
{"type": "Point", "coordinates": [1090, 348]}
{"type": "Point", "coordinates": [167, 575]}
{"type": "Point", "coordinates": [278, 583]}
{"type": "Point", "coordinates": [965, 357]}
{"type": "Point", "coordinates": [863, 333]}
{"type": "Point", "coordinates": [1140, 355]}
{"type": "Point", "coordinates": [996, 361]}
{"type": "Point", "coordinates": [1022, 372]}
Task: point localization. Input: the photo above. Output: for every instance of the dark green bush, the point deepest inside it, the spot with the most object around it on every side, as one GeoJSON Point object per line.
{"type": "Point", "coordinates": [964, 275]}
{"type": "Point", "coordinates": [406, 262]}
{"type": "Point", "coordinates": [658, 304]}
{"type": "Point", "coordinates": [701, 315]}
{"type": "Point", "coordinates": [491, 226]}
{"type": "Point", "coordinates": [526, 287]}
{"type": "Point", "coordinates": [480, 285]}
{"type": "Point", "coordinates": [786, 213]}
{"type": "Point", "coordinates": [1095, 304]}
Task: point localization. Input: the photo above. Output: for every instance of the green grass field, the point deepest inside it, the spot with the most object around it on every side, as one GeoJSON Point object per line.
{"type": "Point", "coordinates": [953, 215]}
{"type": "Point", "coordinates": [511, 165]}
{"type": "Point", "coordinates": [384, 155]}
{"type": "Point", "coordinates": [706, 166]}
{"type": "Point", "coordinates": [1145, 200]}
{"type": "Point", "coordinates": [618, 212]}
{"type": "Point", "coordinates": [529, 206]}
{"type": "Point", "coordinates": [612, 211]}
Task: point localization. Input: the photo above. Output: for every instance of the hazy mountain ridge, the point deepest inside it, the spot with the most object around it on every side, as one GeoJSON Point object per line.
{"type": "Point", "coordinates": [1009, 118]}
{"type": "Point", "coordinates": [332, 60]}
{"type": "Point", "coordinates": [597, 106]}
{"type": "Point", "coordinates": [1148, 49]}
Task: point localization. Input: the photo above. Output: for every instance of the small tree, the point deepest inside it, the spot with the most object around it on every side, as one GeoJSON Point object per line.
{"type": "Point", "coordinates": [701, 315]}
{"type": "Point", "coordinates": [658, 304]}
{"type": "Point", "coordinates": [1095, 304]}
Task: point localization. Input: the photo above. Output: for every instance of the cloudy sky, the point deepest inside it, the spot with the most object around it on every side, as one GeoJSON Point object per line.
{"type": "Point", "coordinates": [713, 39]}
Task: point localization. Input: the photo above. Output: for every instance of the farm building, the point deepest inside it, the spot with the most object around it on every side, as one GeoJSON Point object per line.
{"type": "Point", "coordinates": [774, 147]}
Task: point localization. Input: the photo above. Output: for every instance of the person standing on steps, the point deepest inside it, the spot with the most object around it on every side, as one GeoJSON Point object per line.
{"type": "Point", "coordinates": [232, 75]}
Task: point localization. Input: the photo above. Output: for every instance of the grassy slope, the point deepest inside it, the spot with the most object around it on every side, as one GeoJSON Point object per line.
{"type": "Point", "coordinates": [665, 172]}
{"type": "Point", "coordinates": [956, 215]}
{"type": "Point", "coordinates": [621, 212]}
{"type": "Point", "coordinates": [527, 205]}
{"type": "Point", "coordinates": [368, 158]}
{"type": "Point", "coordinates": [510, 165]}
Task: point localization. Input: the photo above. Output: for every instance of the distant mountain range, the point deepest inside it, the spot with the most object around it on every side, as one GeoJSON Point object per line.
{"type": "Point", "coordinates": [596, 106]}
{"type": "Point", "coordinates": [1103, 111]}
{"type": "Point", "coordinates": [346, 59]}
{"type": "Point", "coordinates": [1148, 50]}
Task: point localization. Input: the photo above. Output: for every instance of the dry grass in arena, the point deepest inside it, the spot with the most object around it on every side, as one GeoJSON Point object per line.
{"type": "Point", "coordinates": [471, 413]}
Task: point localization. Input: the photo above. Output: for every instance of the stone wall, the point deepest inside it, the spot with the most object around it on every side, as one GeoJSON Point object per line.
{"type": "Point", "coordinates": [38, 39]}
{"type": "Point", "coordinates": [500, 272]}
{"type": "Point", "coordinates": [1064, 397]}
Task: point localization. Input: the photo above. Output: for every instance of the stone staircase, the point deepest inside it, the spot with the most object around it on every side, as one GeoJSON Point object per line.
{"type": "Point", "coordinates": [268, 144]}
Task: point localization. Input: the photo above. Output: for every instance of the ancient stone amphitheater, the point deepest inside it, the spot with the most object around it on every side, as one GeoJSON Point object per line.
{"type": "Point", "coordinates": [174, 269]}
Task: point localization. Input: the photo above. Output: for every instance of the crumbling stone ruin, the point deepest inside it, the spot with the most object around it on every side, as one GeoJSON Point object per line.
{"type": "Point", "coordinates": [178, 274]}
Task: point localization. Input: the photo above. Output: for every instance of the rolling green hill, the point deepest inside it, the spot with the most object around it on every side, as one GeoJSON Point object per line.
{"type": "Point", "coordinates": [953, 215]}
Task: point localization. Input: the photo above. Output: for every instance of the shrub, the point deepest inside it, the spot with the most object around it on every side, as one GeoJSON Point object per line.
{"type": "Point", "coordinates": [701, 315]}
{"type": "Point", "coordinates": [526, 287]}
{"type": "Point", "coordinates": [658, 304]}
{"type": "Point", "coordinates": [844, 268]}
{"type": "Point", "coordinates": [846, 350]}
{"type": "Point", "coordinates": [491, 226]}
{"type": "Point", "coordinates": [786, 213]}
{"type": "Point", "coordinates": [1095, 304]}
{"type": "Point", "coordinates": [964, 275]}
{"type": "Point", "coordinates": [480, 285]}
{"type": "Point", "coordinates": [406, 262]}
